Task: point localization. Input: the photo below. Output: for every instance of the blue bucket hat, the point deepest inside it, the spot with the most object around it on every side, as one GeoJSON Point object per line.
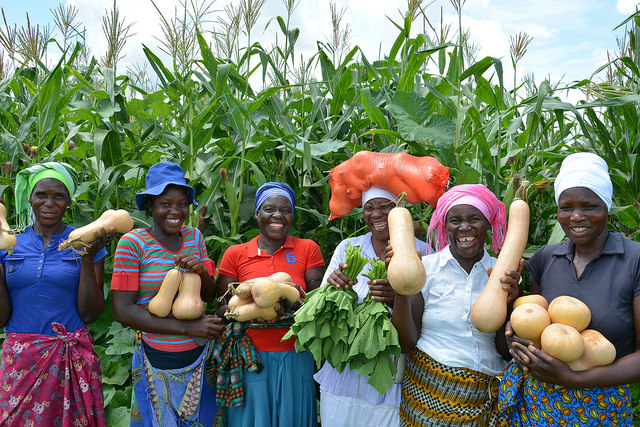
{"type": "Point", "coordinates": [159, 176]}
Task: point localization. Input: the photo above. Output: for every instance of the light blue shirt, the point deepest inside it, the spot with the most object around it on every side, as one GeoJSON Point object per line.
{"type": "Point", "coordinates": [447, 334]}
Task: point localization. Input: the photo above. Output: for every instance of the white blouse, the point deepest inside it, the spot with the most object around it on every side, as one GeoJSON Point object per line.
{"type": "Point", "coordinates": [447, 334]}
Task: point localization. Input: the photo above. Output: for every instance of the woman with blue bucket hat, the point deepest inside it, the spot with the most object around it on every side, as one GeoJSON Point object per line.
{"type": "Point", "coordinates": [169, 359]}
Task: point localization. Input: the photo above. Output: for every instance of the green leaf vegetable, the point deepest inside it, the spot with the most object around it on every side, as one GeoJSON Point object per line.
{"type": "Point", "coordinates": [373, 342]}
{"type": "Point", "coordinates": [324, 322]}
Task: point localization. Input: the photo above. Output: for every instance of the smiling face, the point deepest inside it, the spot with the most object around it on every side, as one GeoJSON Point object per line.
{"type": "Point", "coordinates": [49, 200]}
{"type": "Point", "coordinates": [582, 215]}
{"type": "Point", "coordinates": [170, 209]}
{"type": "Point", "coordinates": [467, 231]}
{"type": "Point", "coordinates": [375, 213]}
{"type": "Point", "coordinates": [274, 218]}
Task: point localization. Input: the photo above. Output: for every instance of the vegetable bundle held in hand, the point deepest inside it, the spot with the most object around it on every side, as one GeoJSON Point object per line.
{"type": "Point", "coordinates": [373, 339]}
{"type": "Point", "coordinates": [324, 322]}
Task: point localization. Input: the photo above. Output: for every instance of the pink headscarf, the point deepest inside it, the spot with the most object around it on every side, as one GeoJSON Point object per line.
{"type": "Point", "coordinates": [478, 196]}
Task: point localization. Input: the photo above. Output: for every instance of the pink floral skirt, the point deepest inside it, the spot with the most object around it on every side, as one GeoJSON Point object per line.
{"type": "Point", "coordinates": [51, 380]}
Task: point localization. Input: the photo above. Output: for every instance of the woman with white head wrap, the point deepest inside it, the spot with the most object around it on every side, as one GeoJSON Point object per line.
{"type": "Point", "coordinates": [346, 399]}
{"type": "Point", "coordinates": [602, 269]}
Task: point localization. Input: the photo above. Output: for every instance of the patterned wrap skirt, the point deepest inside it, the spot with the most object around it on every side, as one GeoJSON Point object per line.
{"type": "Point", "coordinates": [529, 402]}
{"type": "Point", "coordinates": [51, 380]}
{"type": "Point", "coordinates": [434, 394]}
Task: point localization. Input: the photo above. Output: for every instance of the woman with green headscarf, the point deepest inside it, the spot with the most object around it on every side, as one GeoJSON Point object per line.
{"type": "Point", "coordinates": [50, 374]}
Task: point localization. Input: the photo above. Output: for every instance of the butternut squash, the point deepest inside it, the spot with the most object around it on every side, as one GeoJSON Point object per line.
{"type": "Point", "coordinates": [235, 301]}
{"type": "Point", "coordinates": [528, 320]}
{"type": "Point", "coordinates": [188, 305]}
{"type": "Point", "coordinates": [266, 291]}
{"type": "Point", "coordinates": [598, 351]}
{"type": "Point", "coordinates": [252, 311]}
{"type": "Point", "coordinates": [161, 303]}
{"type": "Point", "coordinates": [405, 271]}
{"type": "Point", "coordinates": [570, 311]}
{"type": "Point", "coordinates": [8, 239]}
{"type": "Point", "coordinates": [119, 220]}
{"type": "Point", "coordinates": [489, 311]}
{"type": "Point", "coordinates": [531, 298]}
{"type": "Point", "coordinates": [563, 342]}
{"type": "Point", "coordinates": [281, 277]}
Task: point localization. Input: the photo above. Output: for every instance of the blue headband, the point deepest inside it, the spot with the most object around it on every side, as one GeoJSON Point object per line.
{"type": "Point", "coordinates": [274, 189]}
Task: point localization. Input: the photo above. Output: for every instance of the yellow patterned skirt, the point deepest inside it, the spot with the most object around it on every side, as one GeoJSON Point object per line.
{"type": "Point", "coordinates": [434, 394]}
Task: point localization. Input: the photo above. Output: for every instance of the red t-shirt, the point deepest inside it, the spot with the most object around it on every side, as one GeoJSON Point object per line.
{"type": "Point", "coordinates": [245, 262]}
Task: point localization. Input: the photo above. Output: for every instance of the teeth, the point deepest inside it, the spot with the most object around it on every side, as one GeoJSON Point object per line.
{"type": "Point", "coordinates": [275, 225]}
{"type": "Point", "coordinates": [379, 225]}
{"type": "Point", "coordinates": [466, 239]}
{"type": "Point", "coordinates": [173, 221]}
{"type": "Point", "coordinates": [579, 229]}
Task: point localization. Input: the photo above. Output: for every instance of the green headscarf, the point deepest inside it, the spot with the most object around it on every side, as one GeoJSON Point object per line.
{"type": "Point", "coordinates": [28, 178]}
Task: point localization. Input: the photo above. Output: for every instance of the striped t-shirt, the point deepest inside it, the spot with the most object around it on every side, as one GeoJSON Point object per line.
{"type": "Point", "coordinates": [141, 264]}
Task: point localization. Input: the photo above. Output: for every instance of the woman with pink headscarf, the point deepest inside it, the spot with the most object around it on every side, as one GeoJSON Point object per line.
{"type": "Point", "coordinates": [450, 378]}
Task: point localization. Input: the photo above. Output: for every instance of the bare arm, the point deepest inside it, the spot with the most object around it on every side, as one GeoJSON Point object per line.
{"type": "Point", "coordinates": [313, 278]}
{"type": "Point", "coordinates": [127, 312]}
{"type": "Point", "coordinates": [5, 303]}
{"type": "Point", "coordinates": [407, 319]}
{"type": "Point", "coordinates": [90, 289]}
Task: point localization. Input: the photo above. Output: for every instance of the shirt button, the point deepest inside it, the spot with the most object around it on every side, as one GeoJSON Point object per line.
{"type": "Point", "coordinates": [40, 261]}
{"type": "Point", "coordinates": [38, 275]}
{"type": "Point", "coordinates": [468, 291]}
{"type": "Point", "coordinates": [466, 310]}
{"type": "Point", "coordinates": [41, 254]}
{"type": "Point", "coordinates": [39, 268]}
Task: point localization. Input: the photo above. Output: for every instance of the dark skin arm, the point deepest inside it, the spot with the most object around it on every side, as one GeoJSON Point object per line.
{"type": "Point", "coordinates": [90, 288]}
{"type": "Point", "coordinates": [127, 312]}
{"type": "Point", "coordinates": [407, 319]}
{"type": "Point", "coordinates": [5, 303]}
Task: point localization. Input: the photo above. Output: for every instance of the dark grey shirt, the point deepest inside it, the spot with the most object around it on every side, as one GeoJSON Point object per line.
{"type": "Point", "coordinates": [607, 285]}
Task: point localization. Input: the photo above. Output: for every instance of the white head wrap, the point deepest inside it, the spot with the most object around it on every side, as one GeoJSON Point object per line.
{"type": "Point", "coordinates": [585, 170]}
{"type": "Point", "coordinates": [375, 192]}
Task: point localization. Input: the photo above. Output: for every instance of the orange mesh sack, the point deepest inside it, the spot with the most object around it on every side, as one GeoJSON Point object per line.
{"type": "Point", "coordinates": [424, 179]}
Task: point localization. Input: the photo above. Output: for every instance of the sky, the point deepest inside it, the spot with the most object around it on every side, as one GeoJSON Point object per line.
{"type": "Point", "coordinates": [570, 37]}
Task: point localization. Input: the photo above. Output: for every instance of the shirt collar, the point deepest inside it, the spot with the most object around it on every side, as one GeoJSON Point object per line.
{"type": "Point", "coordinates": [253, 246]}
{"type": "Point", "coordinates": [613, 246]}
{"type": "Point", "coordinates": [446, 256]}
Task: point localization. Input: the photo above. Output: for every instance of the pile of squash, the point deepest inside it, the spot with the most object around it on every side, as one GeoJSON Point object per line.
{"type": "Point", "coordinates": [559, 329]}
{"type": "Point", "coordinates": [259, 298]}
{"type": "Point", "coordinates": [187, 305]}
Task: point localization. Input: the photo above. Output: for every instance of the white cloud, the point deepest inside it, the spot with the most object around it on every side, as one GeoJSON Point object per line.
{"type": "Point", "coordinates": [626, 7]}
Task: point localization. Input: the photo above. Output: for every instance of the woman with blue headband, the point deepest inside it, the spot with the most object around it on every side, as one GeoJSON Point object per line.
{"type": "Point", "coordinates": [602, 269]}
{"type": "Point", "coordinates": [50, 373]}
{"type": "Point", "coordinates": [283, 392]}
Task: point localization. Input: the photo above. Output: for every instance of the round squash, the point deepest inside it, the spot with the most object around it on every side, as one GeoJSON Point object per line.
{"type": "Point", "coordinates": [598, 351]}
{"type": "Point", "coordinates": [563, 342]}
{"type": "Point", "coordinates": [570, 311]}
{"type": "Point", "coordinates": [528, 320]}
{"type": "Point", "coordinates": [531, 298]}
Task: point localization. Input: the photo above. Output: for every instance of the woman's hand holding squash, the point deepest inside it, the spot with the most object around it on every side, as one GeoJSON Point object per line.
{"type": "Point", "coordinates": [102, 239]}
{"type": "Point", "coordinates": [207, 326]}
{"type": "Point", "coordinates": [190, 263]}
